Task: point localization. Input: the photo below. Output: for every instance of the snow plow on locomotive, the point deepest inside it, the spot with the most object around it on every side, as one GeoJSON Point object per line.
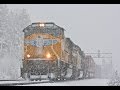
{"type": "Point", "coordinates": [48, 52]}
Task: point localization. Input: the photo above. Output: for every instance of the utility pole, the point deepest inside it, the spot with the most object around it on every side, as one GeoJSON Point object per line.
{"type": "Point", "coordinates": [104, 67]}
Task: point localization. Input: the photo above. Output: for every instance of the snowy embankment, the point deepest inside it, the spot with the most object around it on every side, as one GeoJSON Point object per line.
{"type": "Point", "coordinates": [12, 22]}
{"type": "Point", "coordinates": [9, 68]}
{"type": "Point", "coordinates": [87, 82]}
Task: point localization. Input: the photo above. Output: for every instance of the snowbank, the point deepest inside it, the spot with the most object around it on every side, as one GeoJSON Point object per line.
{"type": "Point", "coordinates": [86, 82]}
{"type": "Point", "coordinates": [9, 68]}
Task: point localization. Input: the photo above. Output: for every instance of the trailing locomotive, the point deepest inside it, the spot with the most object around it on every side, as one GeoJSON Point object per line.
{"type": "Point", "coordinates": [48, 52]}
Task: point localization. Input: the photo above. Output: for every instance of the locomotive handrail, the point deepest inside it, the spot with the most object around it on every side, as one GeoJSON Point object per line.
{"type": "Point", "coordinates": [55, 53]}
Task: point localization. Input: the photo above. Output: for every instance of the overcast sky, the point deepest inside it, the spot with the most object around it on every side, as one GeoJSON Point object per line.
{"type": "Point", "coordinates": [92, 27]}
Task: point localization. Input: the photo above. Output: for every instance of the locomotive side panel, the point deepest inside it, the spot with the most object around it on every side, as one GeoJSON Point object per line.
{"type": "Point", "coordinates": [72, 53]}
{"type": "Point", "coordinates": [68, 50]}
{"type": "Point", "coordinates": [83, 66]}
{"type": "Point", "coordinates": [79, 58]}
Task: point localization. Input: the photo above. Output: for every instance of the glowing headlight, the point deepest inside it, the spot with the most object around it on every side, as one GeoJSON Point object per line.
{"type": "Point", "coordinates": [42, 25]}
{"type": "Point", "coordinates": [48, 55]}
{"type": "Point", "coordinates": [28, 55]}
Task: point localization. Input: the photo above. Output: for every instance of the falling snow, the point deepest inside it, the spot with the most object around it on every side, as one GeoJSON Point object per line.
{"type": "Point", "coordinates": [12, 22]}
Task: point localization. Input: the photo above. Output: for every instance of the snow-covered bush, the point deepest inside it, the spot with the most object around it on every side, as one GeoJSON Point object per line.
{"type": "Point", "coordinates": [115, 80]}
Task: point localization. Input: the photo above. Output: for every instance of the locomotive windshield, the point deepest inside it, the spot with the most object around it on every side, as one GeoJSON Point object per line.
{"type": "Point", "coordinates": [54, 32]}
{"type": "Point", "coordinates": [47, 28]}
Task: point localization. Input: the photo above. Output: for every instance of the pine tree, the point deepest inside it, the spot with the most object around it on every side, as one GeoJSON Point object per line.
{"type": "Point", "coordinates": [11, 39]}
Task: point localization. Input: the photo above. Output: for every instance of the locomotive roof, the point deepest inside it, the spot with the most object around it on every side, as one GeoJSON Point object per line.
{"type": "Point", "coordinates": [52, 23]}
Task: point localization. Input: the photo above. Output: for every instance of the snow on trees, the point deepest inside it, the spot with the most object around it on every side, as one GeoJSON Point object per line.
{"type": "Point", "coordinates": [115, 80]}
{"type": "Point", "coordinates": [11, 39]}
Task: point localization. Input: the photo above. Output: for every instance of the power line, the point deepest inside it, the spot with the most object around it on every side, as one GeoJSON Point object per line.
{"type": "Point", "coordinates": [104, 72]}
{"type": "Point", "coordinates": [99, 54]}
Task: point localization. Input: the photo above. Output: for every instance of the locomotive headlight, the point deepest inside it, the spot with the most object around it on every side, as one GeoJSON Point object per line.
{"type": "Point", "coordinates": [48, 56]}
{"type": "Point", "coordinates": [42, 25]}
{"type": "Point", "coordinates": [28, 55]}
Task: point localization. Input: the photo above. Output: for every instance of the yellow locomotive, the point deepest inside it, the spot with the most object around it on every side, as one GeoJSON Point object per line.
{"type": "Point", "coordinates": [48, 52]}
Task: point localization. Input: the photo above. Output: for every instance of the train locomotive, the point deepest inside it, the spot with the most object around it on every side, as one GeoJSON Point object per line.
{"type": "Point", "coordinates": [48, 52]}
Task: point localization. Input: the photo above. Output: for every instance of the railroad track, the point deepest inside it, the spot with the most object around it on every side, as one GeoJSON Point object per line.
{"type": "Point", "coordinates": [15, 83]}
{"type": "Point", "coordinates": [23, 82]}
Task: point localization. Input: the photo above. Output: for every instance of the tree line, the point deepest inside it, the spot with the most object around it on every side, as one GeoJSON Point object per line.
{"type": "Point", "coordinates": [12, 22]}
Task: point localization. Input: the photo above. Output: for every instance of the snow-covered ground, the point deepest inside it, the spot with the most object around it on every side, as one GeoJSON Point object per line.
{"type": "Point", "coordinates": [87, 82]}
{"type": "Point", "coordinates": [20, 81]}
